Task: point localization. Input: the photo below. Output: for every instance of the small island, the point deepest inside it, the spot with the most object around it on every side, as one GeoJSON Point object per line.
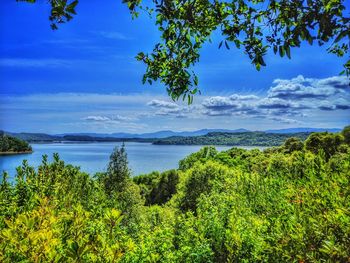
{"type": "Point", "coordinates": [11, 145]}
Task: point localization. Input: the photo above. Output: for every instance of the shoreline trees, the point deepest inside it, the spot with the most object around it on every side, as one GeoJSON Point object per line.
{"type": "Point", "coordinates": [12, 145]}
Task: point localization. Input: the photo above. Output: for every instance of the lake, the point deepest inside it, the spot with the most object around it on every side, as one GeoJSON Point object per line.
{"type": "Point", "coordinates": [94, 157]}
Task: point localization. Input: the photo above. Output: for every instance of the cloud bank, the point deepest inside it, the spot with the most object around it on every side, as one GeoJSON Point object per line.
{"type": "Point", "coordinates": [285, 100]}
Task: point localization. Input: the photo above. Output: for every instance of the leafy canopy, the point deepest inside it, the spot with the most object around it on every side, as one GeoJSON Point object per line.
{"type": "Point", "coordinates": [255, 26]}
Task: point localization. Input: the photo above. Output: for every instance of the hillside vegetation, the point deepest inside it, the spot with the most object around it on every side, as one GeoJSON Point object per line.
{"type": "Point", "coordinates": [12, 145]}
{"type": "Point", "coordinates": [286, 204]}
{"type": "Point", "coordinates": [233, 139]}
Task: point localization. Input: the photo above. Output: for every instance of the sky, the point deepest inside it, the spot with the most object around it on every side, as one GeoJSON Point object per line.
{"type": "Point", "coordinates": [84, 77]}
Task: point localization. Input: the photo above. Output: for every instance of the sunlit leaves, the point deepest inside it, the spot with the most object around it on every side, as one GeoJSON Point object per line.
{"type": "Point", "coordinates": [287, 203]}
{"type": "Point", "coordinates": [254, 26]}
{"type": "Point", "coordinates": [62, 11]}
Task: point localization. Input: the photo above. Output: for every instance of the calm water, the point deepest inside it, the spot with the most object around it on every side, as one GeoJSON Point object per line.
{"type": "Point", "coordinates": [94, 157]}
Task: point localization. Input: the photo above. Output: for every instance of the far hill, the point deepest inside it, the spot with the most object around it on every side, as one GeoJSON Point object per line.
{"type": "Point", "coordinates": [34, 137]}
{"type": "Point", "coordinates": [233, 139]}
{"type": "Point", "coordinates": [199, 137]}
{"type": "Point", "coordinates": [158, 134]}
{"type": "Point", "coordinates": [86, 138]}
{"type": "Point", "coordinates": [296, 130]}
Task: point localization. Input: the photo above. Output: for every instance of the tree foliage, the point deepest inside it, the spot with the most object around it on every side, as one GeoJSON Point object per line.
{"type": "Point", "coordinates": [255, 26]}
{"type": "Point", "coordinates": [346, 134]}
{"type": "Point", "coordinates": [326, 142]}
{"type": "Point", "coordinates": [157, 188]}
{"type": "Point", "coordinates": [9, 144]}
{"type": "Point", "coordinates": [285, 204]}
{"type": "Point", "coordinates": [62, 11]}
{"type": "Point", "coordinates": [233, 139]}
{"type": "Point", "coordinates": [118, 171]}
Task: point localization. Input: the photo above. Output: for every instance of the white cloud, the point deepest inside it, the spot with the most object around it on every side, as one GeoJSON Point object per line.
{"type": "Point", "coordinates": [220, 103]}
{"type": "Point", "coordinates": [123, 118]}
{"type": "Point", "coordinates": [338, 82]}
{"type": "Point", "coordinates": [162, 104]}
{"type": "Point", "coordinates": [294, 97]}
{"type": "Point", "coordinates": [96, 118]}
{"type": "Point", "coordinates": [284, 120]}
{"type": "Point", "coordinates": [114, 35]}
{"type": "Point", "coordinates": [306, 88]}
{"type": "Point", "coordinates": [243, 97]}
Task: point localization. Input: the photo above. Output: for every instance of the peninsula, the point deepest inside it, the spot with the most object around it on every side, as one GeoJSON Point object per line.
{"type": "Point", "coordinates": [12, 145]}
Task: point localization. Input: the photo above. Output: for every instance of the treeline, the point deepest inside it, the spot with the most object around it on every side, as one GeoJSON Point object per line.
{"type": "Point", "coordinates": [46, 138]}
{"type": "Point", "coordinates": [212, 138]}
{"type": "Point", "coordinates": [233, 139]}
{"type": "Point", "coordinates": [9, 145]}
{"type": "Point", "coordinates": [285, 204]}
{"type": "Point", "coordinates": [86, 138]}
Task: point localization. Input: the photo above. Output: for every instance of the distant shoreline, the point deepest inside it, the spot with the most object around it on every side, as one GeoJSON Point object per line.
{"type": "Point", "coordinates": [241, 138]}
{"type": "Point", "coordinates": [15, 153]}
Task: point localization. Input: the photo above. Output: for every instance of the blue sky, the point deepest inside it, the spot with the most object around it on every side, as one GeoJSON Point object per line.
{"type": "Point", "coordinates": [84, 78]}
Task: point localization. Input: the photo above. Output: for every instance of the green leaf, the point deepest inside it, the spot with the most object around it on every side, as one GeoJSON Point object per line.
{"type": "Point", "coordinates": [227, 46]}
{"type": "Point", "coordinates": [237, 43]}
{"type": "Point", "coordinates": [220, 44]}
{"type": "Point", "coordinates": [195, 80]}
{"type": "Point", "coordinates": [262, 62]}
{"type": "Point", "coordinates": [341, 35]}
{"type": "Point", "coordinates": [281, 51]}
{"type": "Point", "coordinates": [275, 49]}
{"type": "Point", "coordinates": [287, 48]}
{"type": "Point", "coordinates": [258, 66]}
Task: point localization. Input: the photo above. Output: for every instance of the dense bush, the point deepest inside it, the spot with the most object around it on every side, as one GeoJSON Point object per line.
{"type": "Point", "coordinates": [286, 204]}
{"type": "Point", "coordinates": [157, 188]}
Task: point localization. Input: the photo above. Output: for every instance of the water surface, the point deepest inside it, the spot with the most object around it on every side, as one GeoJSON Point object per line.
{"type": "Point", "coordinates": [94, 157]}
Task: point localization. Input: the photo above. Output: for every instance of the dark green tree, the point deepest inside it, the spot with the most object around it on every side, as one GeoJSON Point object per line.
{"type": "Point", "coordinates": [13, 144]}
{"type": "Point", "coordinates": [118, 172]}
{"type": "Point", "coordinates": [158, 188]}
{"type": "Point", "coordinates": [293, 144]}
{"type": "Point", "coordinates": [327, 142]}
{"type": "Point", "coordinates": [122, 192]}
{"type": "Point", "coordinates": [346, 134]}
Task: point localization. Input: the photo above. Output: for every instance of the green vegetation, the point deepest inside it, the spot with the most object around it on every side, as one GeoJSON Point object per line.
{"type": "Point", "coordinates": [157, 188]}
{"type": "Point", "coordinates": [85, 138]}
{"type": "Point", "coordinates": [255, 26]}
{"type": "Point", "coordinates": [212, 138]}
{"type": "Point", "coordinates": [285, 204]}
{"type": "Point", "coordinates": [34, 137]}
{"type": "Point", "coordinates": [12, 145]}
{"type": "Point", "coordinates": [42, 137]}
{"type": "Point", "coordinates": [233, 139]}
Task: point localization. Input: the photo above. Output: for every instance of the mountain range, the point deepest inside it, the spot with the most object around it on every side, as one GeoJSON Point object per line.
{"type": "Point", "coordinates": [158, 134]}
{"type": "Point", "coordinates": [297, 130]}
{"type": "Point", "coordinates": [169, 133]}
{"type": "Point", "coordinates": [147, 137]}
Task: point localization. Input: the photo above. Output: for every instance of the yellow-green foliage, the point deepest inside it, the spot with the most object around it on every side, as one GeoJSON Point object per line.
{"type": "Point", "coordinates": [287, 204]}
